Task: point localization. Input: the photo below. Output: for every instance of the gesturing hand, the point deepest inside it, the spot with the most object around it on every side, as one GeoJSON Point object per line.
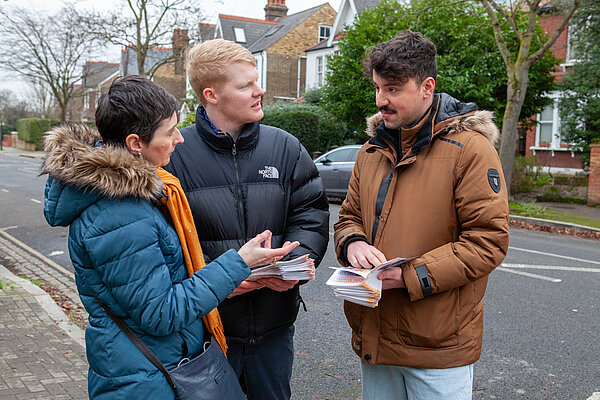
{"type": "Point", "coordinates": [362, 255]}
{"type": "Point", "coordinates": [254, 254]}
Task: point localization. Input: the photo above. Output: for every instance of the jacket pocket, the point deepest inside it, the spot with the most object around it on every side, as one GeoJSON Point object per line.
{"type": "Point", "coordinates": [430, 322]}
{"type": "Point", "coordinates": [353, 315]}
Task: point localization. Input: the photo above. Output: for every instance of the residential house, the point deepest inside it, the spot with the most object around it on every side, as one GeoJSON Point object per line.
{"type": "Point", "coordinates": [544, 141]}
{"type": "Point", "coordinates": [278, 44]}
{"type": "Point", "coordinates": [97, 77]}
{"type": "Point", "coordinates": [166, 64]}
{"type": "Point", "coordinates": [317, 55]}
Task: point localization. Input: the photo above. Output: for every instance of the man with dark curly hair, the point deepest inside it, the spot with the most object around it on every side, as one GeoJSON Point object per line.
{"type": "Point", "coordinates": [428, 185]}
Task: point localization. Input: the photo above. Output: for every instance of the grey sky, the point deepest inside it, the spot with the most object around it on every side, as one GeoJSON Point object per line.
{"type": "Point", "coordinates": [244, 8]}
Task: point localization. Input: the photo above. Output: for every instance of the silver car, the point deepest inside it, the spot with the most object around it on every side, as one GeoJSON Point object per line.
{"type": "Point", "coordinates": [335, 168]}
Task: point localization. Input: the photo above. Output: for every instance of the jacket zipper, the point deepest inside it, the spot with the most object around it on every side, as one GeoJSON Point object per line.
{"type": "Point", "coordinates": [240, 193]}
{"type": "Point", "coordinates": [381, 195]}
{"type": "Point", "coordinates": [242, 219]}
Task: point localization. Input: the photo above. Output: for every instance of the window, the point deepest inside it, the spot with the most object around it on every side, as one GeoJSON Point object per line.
{"type": "Point", "coordinates": [342, 155]}
{"type": "Point", "coordinates": [321, 70]}
{"type": "Point", "coordinates": [240, 35]}
{"type": "Point", "coordinates": [547, 132]}
{"type": "Point", "coordinates": [324, 32]}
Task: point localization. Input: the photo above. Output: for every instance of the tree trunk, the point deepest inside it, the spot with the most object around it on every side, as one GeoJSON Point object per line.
{"type": "Point", "coordinates": [515, 95]}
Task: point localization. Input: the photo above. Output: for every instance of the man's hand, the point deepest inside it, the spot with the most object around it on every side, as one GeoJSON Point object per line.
{"type": "Point", "coordinates": [391, 278]}
{"type": "Point", "coordinates": [276, 284]}
{"type": "Point", "coordinates": [245, 287]}
{"type": "Point", "coordinates": [363, 255]}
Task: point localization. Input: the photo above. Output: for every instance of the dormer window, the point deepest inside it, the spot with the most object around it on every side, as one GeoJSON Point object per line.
{"type": "Point", "coordinates": [240, 35]}
{"type": "Point", "coordinates": [324, 32]}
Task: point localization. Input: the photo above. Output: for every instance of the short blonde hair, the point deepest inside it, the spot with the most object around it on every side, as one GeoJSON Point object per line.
{"type": "Point", "coordinates": [206, 63]}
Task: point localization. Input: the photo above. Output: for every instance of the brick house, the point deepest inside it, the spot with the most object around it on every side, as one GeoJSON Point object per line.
{"type": "Point", "coordinates": [278, 43]}
{"type": "Point", "coordinates": [544, 141]}
{"type": "Point", "coordinates": [97, 76]}
{"type": "Point", "coordinates": [317, 55]}
{"type": "Point", "coordinates": [168, 63]}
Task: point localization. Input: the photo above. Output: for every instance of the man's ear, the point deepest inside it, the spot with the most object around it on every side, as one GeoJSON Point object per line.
{"type": "Point", "coordinates": [428, 87]}
{"type": "Point", "coordinates": [210, 94]}
{"type": "Point", "coordinates": [134, 144]}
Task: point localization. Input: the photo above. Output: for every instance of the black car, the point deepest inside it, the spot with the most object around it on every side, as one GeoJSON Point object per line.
{"type": "Point", "coordinates": [335, 168]}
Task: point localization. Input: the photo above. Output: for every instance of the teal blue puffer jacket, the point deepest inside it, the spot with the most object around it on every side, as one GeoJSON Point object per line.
{"type": "Point", "coordinates": [126, 254]}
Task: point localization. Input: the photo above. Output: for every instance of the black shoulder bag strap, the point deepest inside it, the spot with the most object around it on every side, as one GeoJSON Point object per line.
{"type": "Point", "coordinates": [137, 342]}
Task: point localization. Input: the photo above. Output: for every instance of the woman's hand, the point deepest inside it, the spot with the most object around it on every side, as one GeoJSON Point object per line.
{"type": "Point", "coordinates": [255, 255]}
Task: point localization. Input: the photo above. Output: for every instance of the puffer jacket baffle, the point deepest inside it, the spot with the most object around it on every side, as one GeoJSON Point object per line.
{"type": "Point", "coordinates": [126, 254]}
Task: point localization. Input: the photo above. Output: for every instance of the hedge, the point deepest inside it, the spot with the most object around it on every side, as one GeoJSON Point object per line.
{"type": "Point", "coordinates": [316, 129]}
{"type": "Point", "coordinates": [32, 130]}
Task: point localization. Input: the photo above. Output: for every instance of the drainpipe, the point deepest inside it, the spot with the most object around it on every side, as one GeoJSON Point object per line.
{"type": "Point", "coordinates": [299, 75]}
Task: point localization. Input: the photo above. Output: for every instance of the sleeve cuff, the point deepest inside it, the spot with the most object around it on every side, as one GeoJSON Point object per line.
{"type": "Point", "coordinates": [344, 253]}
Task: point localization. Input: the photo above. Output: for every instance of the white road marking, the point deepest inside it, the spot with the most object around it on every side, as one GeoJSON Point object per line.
{"type": "Point", "coordinates": [8, 227]}
{"type": "Point", "coordinates": [5, 191]}
{"type": "Point", "coordinates": [56, 253]}
{"type": "Point", "coordinates": [594, 396]}
{"type": "Point", "coordinates": [552, 267]}
{"type": "Point", "coordinates": [36, 201]}
{"type": "Point", "coordinates": [555, 255]}
{"type": "Point", "coordinates": [530, 275]}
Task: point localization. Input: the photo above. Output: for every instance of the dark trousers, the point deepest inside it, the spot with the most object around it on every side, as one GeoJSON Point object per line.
{"type": "Point", "coordinates": [264, 369]}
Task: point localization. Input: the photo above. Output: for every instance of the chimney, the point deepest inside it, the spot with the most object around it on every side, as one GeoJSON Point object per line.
{"type": "Point", "coordinates": [275, 9]}
{"type": "Point", "coordinates": [180, 42]}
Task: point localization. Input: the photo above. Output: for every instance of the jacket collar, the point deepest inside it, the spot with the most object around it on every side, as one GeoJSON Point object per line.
{"type": "Point", "coordinates": [221, 141]}
{"type": "Point", "coordinates": [437, 120]}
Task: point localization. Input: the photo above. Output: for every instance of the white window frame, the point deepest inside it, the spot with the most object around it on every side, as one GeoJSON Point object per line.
{"type": "Point", "coordinates": [321, 66]}
{"type": "Point", "coordinates": [321, 37]}
{"type": "Point", "coordinates": [555, 144]}
{"type": "Point", "coordinates": [239, 35]}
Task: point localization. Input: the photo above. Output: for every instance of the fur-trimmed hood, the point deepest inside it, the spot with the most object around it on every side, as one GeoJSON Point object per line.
{"type": "Point", "coordinates": [112, 172]}
{"type": "Point", "coordinates": [456, 117]}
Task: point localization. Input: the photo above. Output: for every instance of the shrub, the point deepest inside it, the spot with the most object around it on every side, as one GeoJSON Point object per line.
{"type": "Point", "coordinates": [526, 174]}
{"type": "Point", "coordinates": [32, 130]}
{"type": "Point", "coordinates": [316, 129]}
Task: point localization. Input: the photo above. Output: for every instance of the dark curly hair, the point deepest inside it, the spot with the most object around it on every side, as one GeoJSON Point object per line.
{"type": "Point", "coordinates": [133, 104]}
{"type": "Point", "coordinates": [408, 55]}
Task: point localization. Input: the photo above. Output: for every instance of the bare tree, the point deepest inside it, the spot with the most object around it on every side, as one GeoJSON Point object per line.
{"type": "Point", "coordinates": [45, 48]}
{"type": "Point", "coordinates": [40, 98]}
{"type": "Point", "coordinates": [146, 24]}
{"type": "Point", "coordinates": [519, 61]}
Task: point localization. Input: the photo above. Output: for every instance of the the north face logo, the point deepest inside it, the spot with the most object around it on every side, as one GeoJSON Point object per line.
{"type": "Point", "coordinates": [269, 172]}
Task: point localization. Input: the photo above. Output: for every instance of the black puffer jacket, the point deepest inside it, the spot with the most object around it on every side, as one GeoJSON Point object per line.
{"type": "Point", "coordinates": [265, 180]}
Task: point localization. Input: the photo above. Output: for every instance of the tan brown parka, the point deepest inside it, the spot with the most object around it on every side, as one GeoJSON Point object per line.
{"type": "Point", "coordinates": [443, 201]}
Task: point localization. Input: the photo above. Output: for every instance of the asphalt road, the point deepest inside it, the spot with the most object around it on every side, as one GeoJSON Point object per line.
{"type": "Point", "coordinates": [542, 308]}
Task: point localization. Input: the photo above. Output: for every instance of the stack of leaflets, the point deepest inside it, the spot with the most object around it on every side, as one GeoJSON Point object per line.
{"type": "Point", "coordinates": [301, 268]}
{"type": "Point", "coordinates": [359, 285]}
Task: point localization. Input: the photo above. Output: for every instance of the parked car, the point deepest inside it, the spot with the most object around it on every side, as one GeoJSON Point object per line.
{"type": "Point", "coordinates": [335, 168]}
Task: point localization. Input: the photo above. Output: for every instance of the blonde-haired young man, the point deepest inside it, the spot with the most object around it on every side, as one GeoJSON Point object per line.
{"type": "Point", "coordinates": [241, 178]}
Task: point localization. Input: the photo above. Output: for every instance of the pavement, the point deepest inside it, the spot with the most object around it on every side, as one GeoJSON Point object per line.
{"type": "Point", "coordinates": [42, 352]}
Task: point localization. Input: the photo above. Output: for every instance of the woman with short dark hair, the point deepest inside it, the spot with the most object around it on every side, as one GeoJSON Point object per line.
{"type": "Point", "coordinates": [126, 237]}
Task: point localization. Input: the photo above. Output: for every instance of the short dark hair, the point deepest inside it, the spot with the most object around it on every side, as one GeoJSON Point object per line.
{"type": "Point", "coordinates": [133, 104]}
{"type": "Point", "coordinates": [408, 55]}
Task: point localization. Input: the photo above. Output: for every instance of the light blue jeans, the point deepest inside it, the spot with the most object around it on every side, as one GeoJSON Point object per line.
{"type": "Point", "coordinates": [388, 382]}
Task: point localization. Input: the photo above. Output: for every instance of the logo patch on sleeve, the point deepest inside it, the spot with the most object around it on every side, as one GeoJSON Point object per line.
{"type": "Point", "coordinates": [494, 179]}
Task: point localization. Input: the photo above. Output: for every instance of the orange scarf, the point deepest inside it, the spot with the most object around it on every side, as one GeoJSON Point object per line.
{"type": "Point", "coordinates": [183, 222]}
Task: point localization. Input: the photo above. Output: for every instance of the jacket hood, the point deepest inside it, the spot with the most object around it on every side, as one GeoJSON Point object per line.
{"type": "Point", "coordinates": [113, 172]}
{"type": "Point", "coordinates": [456, 117]}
